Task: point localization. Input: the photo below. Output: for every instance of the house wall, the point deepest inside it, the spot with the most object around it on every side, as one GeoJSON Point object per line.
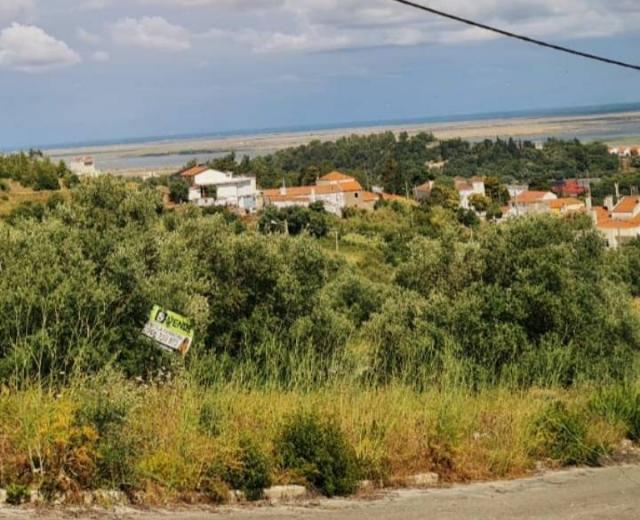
{"type": "Point", "coordinates": [616, 237]}
{"type": "Point", "coordinates": [356, 200]}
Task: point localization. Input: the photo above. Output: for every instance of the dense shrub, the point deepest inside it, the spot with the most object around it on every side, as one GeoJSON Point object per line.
{"type": "Point", "coordinates": [252, 475]}
{"type": "Point", "coordinates": [295, 220]}
{"type": "Point", "coordinates": [319, 451]}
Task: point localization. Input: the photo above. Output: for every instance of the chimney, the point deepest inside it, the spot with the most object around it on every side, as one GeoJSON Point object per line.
{"type": "Point", "coordinates": [313, 195]}
{"type": "Point", "coordinates": [283, 188]}
{"type": "Point", "coordinates": [589, 202]}
{"type": "Point", "coordinates": [608, 203]}
{"type": "Point", "coordinates": [617, 192]}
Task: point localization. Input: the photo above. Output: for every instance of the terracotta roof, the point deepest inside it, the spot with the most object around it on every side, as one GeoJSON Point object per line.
{"type": "Point", "coordinates": [196, 170]}
{"type": "Point", "coordinates": [627, 205]}
{"type": "Point", "coordinates": [604, 221]}
{"type": "Point", "coordinates": [531, 197]}
{"type": "Point", "coordinates": [304, 192]}
{"type": "Point", "coordinates": [562, 203]}
{"type": "Point", "coordinates": [369, 196]}
{"type": "Point", "coordinates": [336, 177]}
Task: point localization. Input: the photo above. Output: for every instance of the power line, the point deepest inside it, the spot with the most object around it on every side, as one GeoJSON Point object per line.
{"type": "Point", "coordinates": [518, 36]}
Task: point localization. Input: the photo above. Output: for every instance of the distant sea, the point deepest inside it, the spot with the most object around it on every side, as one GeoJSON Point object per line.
{"type": "Point", "coordinates": [456, 118]}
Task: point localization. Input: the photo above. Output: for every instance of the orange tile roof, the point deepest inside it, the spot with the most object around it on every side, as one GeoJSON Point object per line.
{"type": "Point", "coordinates": [604, 221]}
{"type": "Point", "coordinates": [336, 177]}
{"type": "Point", "coordinates": [369, 196]}
{"type": "Point", "coordinates": [531, 197]}
{"type": "Point", "coordinates": [627, 205]}
{"type": "Point", "coordinates": [196, 170]}
{"type": "Point", "coordinates": [562, 203]}
{"type": "Point", "coordinates": [303, 192]}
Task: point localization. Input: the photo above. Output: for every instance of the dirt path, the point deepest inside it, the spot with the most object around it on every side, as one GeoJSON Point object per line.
{"type": "Point", "coordinates": [582, 494]}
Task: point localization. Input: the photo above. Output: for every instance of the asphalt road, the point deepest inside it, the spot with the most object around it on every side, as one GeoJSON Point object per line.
{"type": "Point", "coordinates": [582, 494]}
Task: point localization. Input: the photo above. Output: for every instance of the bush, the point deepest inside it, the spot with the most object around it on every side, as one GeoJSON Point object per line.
{"type": "Point", "coordinates": [28, 210]}
{"type": "Point", "coordinates": [253, 473]}
{"type": "Point", "coordinates": [178, 191]}
{"type": "Point", "coordinates": [562, 435]}
{"type": "Point", "coordinates": [54, 201]}
{"type": "Point", "coordinates": [17, 494]}
{"type": "Point", "coordinates": [319, 451]}
{"type": "Point", "coordinates": [46, 180]}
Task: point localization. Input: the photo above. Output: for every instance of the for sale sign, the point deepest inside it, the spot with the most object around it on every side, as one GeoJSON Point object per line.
{"type": "Point", "coordinates": [169, 330]}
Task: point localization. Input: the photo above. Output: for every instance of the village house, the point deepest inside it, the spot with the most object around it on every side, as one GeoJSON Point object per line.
{"type": "Point", "coordinates": [335, 190]}
{"type": "Point", "coordinates": [84, 166]}
{"type": "Point", "coordinates": [516, 189]}
{"type": "Point", "coordinates": [628, 208]}
{"type": "Point", "coordinates": [624, 151]}
{"type": "Point", "coordinates": [208, 187]}
{"type": "Point", "coordinates": [566, 205]}
{"type": "Point", "coordinates": [531, 203]}
{"type": "Point", "coordinates": [467, 188]}
{"type": "Point", "coordinates": [620, 224]}
{"type": "Point", "coordinates": [571, 187]}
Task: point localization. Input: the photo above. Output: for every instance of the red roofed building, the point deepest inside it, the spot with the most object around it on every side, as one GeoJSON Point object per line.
{"type": "Point", "coordinates": [619, 226]}
{"type": "Point", "coordinates": [335, 190]}
{"type": "Point", "coordinates": [627, 208]}
{"type": "Point", "coordinates": [569, 188]}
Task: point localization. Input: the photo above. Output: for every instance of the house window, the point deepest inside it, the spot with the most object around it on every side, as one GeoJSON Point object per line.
{"type": "Point", "coordinates": [357, 195]}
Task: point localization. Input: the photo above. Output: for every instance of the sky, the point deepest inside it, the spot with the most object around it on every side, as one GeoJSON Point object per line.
{"type": "Point", "coordinates": [89, 70]}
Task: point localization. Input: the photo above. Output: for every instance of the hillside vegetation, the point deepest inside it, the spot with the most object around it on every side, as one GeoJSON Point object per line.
{"type": "Point", "coordinates": [411, 343]}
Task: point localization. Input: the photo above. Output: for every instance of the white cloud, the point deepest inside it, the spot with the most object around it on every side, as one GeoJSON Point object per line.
{"type": "Point", "coordinates": [151, 32]}
{"type": "Point", "coordinates": [100, 56]}
{"type": "Point", "coordinates": [30, 49]}
{"type": "Point", "coordinates": [339, 24]}
{"type": "Point", "coordinates": [10, 10]}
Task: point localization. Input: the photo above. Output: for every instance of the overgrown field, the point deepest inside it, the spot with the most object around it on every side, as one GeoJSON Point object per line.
{"type": "Point", "coordinates": [417, 344]}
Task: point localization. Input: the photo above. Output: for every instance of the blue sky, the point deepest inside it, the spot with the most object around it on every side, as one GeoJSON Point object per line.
{"type": "Point", "coordinates": [83, 70]}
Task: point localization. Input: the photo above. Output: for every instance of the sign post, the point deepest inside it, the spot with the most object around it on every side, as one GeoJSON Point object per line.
{"type": "Point", "coordinates": [170, 331]}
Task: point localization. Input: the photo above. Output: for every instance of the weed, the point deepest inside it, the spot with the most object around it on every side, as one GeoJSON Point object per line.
{"type": "Point", "coordinates": [619, 403]}
{"type": "Point", "coordinates": [562, 435]}
{"type": "Point", "coordinates": [17, 494]}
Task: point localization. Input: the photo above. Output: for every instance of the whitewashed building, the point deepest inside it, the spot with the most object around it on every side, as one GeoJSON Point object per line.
{"type": "Point", "coordinates": [208, 187]}
{"type": "Point", "coordinates": [467, 188]}
{"type": "Point", "coordinates": [84, 166]}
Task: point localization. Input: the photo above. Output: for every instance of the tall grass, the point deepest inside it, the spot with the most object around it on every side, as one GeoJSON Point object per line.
{"type": "Point", "coordinates": [181, 436]}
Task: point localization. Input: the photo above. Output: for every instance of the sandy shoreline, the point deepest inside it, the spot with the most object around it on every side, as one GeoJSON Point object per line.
{"type": "Point", "coordinates": [160, 156]}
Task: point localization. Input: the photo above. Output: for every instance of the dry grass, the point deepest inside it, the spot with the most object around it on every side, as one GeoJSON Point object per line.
{"type": "Point", "coordinates": [462, 436]}
{"type": "Point", "coordinates": [19, 194]}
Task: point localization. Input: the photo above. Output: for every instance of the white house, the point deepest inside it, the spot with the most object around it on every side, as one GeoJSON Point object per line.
{"type": "Point", "coordinates": [531, 203]}
{"type": "Point", "coordinates": [83, 167]}
{"type": "Point", "coordinates": [208, 187]}
{"type": "Point", "coordinates": [467, 188]}
{"type": "Point", "coordinates": [617, 228]}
